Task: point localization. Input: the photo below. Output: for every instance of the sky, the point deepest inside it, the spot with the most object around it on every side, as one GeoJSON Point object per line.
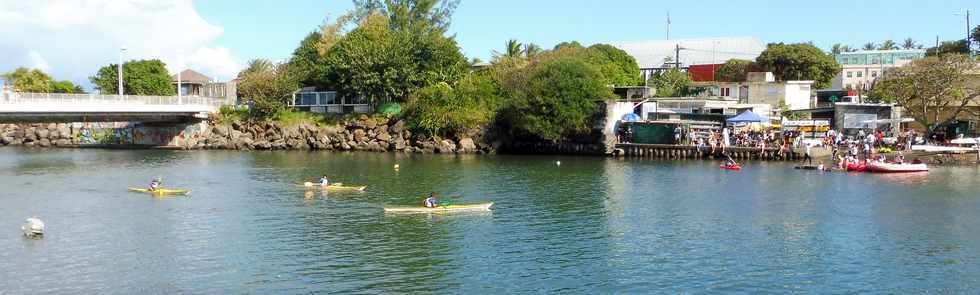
{"type": "Point", "coordinates": [71, 39]}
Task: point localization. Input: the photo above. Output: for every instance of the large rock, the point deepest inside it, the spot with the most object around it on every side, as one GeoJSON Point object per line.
{"type": "Point", "coordinates": [44, 142]}
{"type": "Point", "coordinates": [220, 130]}
{"type": "Point", "coordinates": [42, 133]}
{"type": "Point", "coordinates": [399, 144]}
{"type": "Point", "coordinates": [262, 145]}
{"type": "Point", "coordinates": [359, 135]}
{"type": "Point", "coordinates": [235, 135]}
{"type": "Point", "coordinates": [62, 142]}
{"type": "Point", "coordinates": [447, 147]}
{"type": "Point", "coordinates": [52, 126]}
{"type": "Point", "coordinates": [397, 128]}
{"type": "Point", "coordinates": [466, 145]}
{"type": "Point", "coordinates": [64, 132]}
{"type": "Point", "coordinates": [384, 137]}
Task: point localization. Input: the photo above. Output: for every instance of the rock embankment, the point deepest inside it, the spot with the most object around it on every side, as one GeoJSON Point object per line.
{"type": "Point", "coordinates": [41, 135]}
{"type": "Point", "coordinates": [364, 134]}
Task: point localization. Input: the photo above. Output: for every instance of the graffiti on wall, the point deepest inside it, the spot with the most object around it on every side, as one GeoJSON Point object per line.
{"type": "Point", "coordinates": [125, 133]}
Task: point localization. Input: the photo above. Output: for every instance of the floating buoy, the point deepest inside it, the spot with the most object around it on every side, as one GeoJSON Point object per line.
{"type": "Point", "coordinates": [558, 163]}
{"type": "Point", "coordinates": [396, 166]}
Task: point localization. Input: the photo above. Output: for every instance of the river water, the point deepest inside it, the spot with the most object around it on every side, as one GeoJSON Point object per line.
{"type": "Point", "coordinates": [590, 225]}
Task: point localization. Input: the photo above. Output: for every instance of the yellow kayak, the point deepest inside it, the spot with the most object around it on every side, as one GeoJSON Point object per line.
{"type": "Point", "coordinates": [161, 191]}
{"type": "Point", "coordinates": [334, 187]}
{"type": "Point", "coordinates": [449, 208]}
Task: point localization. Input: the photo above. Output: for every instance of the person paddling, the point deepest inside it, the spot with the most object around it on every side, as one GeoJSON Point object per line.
{"type": "Point", "coordinates": [730, 162]}
{"type": "Point", "coordinates": [324, 181]}
{"type": "Point", "coordinates": [431, 201]}
{"type": "Point", "coordinates": [155, 183]}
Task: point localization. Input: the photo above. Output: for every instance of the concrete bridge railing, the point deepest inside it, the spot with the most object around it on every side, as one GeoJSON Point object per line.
{"type": "Point", "coordinates": [19, 98]}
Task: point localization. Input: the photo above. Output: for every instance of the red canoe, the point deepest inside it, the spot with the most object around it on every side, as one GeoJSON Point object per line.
{"type": "Point", "coordinates": [857, 167]}
{"type": "Point", "coordinates": [897, 168]}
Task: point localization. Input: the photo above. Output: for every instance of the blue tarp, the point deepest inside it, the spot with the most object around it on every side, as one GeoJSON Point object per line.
{"type": "Point", "coordinates": [746, 117]}
{"type": "Point", "coordinates": [632, 117]}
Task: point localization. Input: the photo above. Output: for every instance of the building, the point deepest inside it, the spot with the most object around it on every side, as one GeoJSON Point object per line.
{"type": "Point", "coordinates": [657, 55]}
{"type": "Point", "coordinates": [762, 88]}
{"type": "Point", "coordinates": [862, 68]}
{"type": "Point", "coordinates": [192, 83]}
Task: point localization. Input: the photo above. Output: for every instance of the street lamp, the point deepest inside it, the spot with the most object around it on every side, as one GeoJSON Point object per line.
{"type": "Point", "coordinates": [968, 43]}
{"type": "Point", "coordinates": [119, 69]}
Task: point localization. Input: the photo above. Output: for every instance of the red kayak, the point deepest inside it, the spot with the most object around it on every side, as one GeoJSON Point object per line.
{"type": "Point", "coordinates": [857, 167]}
{"type": "Point", "coordinates": [897, 168]}
{"type": "Point", "coordinates": [731, 167]}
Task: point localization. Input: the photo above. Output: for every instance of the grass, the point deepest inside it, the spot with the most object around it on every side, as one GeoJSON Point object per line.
{"type": "Point", "coordinates": [290, 118]}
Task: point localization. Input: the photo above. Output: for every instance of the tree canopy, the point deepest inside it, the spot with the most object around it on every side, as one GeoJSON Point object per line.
{"type": "Point", "coordinates": [267, 87]}
{"type": "Point", "coordinates": [34, 80]}
{"type": "Point", "coordinates": [933, 90]}
{"type": "Point", "coordinates": [949, 47]}
{"type": "Point", "coordinates": [734, 70]}
{"type": "Point", "coordinates": [140, 77]}
{"type": "Point", "coordinates": [671, 83]}
{"type": "Point", "coordinates": [799, 62]}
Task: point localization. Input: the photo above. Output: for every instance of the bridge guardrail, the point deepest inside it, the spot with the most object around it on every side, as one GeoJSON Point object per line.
{"type": "Point", "coordinates": [102, 99]}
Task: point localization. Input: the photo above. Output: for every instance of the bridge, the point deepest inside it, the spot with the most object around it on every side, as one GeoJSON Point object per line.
{"type": "Point", "coordinates": [17, 107]}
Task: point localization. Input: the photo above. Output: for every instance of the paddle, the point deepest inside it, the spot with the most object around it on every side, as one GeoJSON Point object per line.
{"type": "Point", "coordinates": [730, 159]}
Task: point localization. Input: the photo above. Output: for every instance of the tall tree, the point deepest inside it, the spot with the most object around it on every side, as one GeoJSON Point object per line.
{"type": "Point", "coordinates": [869, 46]}
{"type": "Point", "coordinates": [909, 44]}
{"type": "Point", "coordinates": [799, 62]}
{"type": "Point", "coordinates": [734, 70]}
{"type": "Point", "coordinates": [512, 49]}
{"type": "Point", "coordinates": [837, 48]}
{"type": "Point", "coordinates": [888, 45]}
{"type": "Point", "coordinates": [933, 90]}
{"type": "Point", "coordinates": [28, 80]}
{"type": "Point", "coordinates": [671, 83]}
{"type": "Point", "coordinates": [267, 86]}
{"type": "Point", "coordinates": [617, 67]}
{"type": "Point", "coordinates": [307, 62]}
{"type": "Point", "coordinates": [975, 35]}
{"type": "Point", "coordinates": [65, 86]}
{"type": "Point", "coordinates": [140, 77]}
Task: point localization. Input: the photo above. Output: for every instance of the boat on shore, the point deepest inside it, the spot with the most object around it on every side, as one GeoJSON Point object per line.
{"type": "Point", "coordinates": [33, 227]}
{"type": "Point", "coordinates": [857, 167]}
{"type": "Point", "coordinates": [439, 209]}
{"type": "Point", "coordinates": [896, 167]}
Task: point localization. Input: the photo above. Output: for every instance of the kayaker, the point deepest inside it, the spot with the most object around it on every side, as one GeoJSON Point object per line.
{"type": "Point", "coordinates": [431, 201]}
{"type": "Point", "coordinates": [155, 183]}
{"type": "Point", "coordinates": [324, 181]}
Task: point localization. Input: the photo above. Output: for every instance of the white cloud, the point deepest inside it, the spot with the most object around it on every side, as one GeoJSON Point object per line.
{"type": "Point", "coordinates": [73, 38]}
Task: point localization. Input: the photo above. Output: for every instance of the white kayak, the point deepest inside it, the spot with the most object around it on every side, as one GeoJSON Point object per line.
{"type": "Point", "coordinates": [896, 168]}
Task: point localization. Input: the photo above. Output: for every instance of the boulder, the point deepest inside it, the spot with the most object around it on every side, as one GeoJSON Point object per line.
{"type": "Point", "coordinates": [52, 127]}
{"type": "Point", "coordinates": [235, 135]}
{"type": "Point", "coordinates": [384, 137]}
{"type": "Point", "coordinates": [359, 135]}
{"type": "Point", "coordinates": [399, 144]}
{"type": "Point", "coordinates": [398, 127]}
{"type": "Point", "coordinates": [262, 145]}
{"type": "Point", "coordinates": [44, 142]}
{"type": "Point", "coordinates": [220, 130]}
{"type": "Point", "coordinates": [466, 145]}
{"type": "Point", "coordinates": [62, 142]}
{"type": "Point", "coordinates": [64, 131]}
{"type": "Point", "coordinates": [42, 133]}
{"type": "Point", "coordinates": [446, 147]}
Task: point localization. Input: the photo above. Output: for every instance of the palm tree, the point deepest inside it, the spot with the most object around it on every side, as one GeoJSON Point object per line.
{"type": "Point", "coordinates": [531, 49]}
{"type": "Point", "coordinates": [258, 65]}
{"type": "Point", "coordinates": [888, 45]}
{"type": "Point", "coordinates": [513, 48]}
{"type": "Point", "coordinates": [869, 46]}
{"type": "Point", "coordinates": [837, 48]}
{"type": "Point", "coordinates": [909, 44]}
{"type": "Point", "coordinates": [847, 48]}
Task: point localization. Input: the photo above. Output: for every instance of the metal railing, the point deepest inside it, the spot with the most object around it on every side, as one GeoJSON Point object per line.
{"type": "Point", "coordinates": [102, 99]}
{"type": "Point", "coordinates": [327, 98]}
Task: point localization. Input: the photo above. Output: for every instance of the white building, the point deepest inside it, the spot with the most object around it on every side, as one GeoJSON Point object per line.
{"type": "Point", "coordinates": [762, 88]}
{"type": "Point", "coordinates": [656, 55]}
{"type": "Point", "coordinates": [862, 68]}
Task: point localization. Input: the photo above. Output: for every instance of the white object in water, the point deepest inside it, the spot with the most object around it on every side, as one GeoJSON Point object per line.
{"type": "Point", "coordinates": [33, 227]}
{"type": "Point", "coordinates": [558, 163]}
{"type": "Point", "coordinates": [396, 166]}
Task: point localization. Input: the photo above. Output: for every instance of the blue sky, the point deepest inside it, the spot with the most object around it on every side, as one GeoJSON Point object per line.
{"type": "Point", "coordinates": [71, 39]}
{"type": "Point", "coordinates": [266, 29]}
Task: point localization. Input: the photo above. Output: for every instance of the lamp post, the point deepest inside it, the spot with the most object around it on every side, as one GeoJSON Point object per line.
{"type": "Point", "coordinates": [969, 44]}
{"type": "Point", "coordinates": [119, 74]}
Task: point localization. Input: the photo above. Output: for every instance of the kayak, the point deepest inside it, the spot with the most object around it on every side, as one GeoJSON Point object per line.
{"type": "Point", "coordinates": [334, 187]}
{"type": "Point", "coordinates": [896, 168]}
{"type": "Point", "coordinates": [161, 191]}
{"type": "Point", "coordinates": [857, 167]}
{"type": "Point", "coordinates": [731, 167]}
{"type": "Point", "coordinates": [449, 208]}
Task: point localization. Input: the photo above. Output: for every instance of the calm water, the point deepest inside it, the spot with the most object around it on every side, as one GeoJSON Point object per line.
{"type": "Point", "coordinates": [591, 225]}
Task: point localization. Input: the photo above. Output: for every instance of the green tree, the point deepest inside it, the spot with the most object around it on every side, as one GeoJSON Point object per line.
{"type": "Point", "coordinates": [671, 83]}
{"type": "Point", "coordinates": [837, 48]}
{"type": "Point", "coordinates": [65, 86]}
{"type": "Point", "coordinates": [558, 100]}
{"type": "Point", "coordinates": [799, 62]}
{"type": "Point", "coordinates": [29, 80]}
{"type": "Point", "coordinates": [394, 51]}
{"type": "Point", "coordinates": [307, 63]}
{"type": "Point", "coordinates": [267, 87]}
{"type": "Point", "coordinates": [869, 46]}
{"type": "Point", "coordinates": [512, 49]}
{"type": "Point", "coordinates": [531, 50]}
{"type": "Point", "coordinates": [910, 44]}
{"type": "Point", "coordinates": [617, 67]}
{"type": "Point", "coordinates": [949, 47]}
{"type": "Point", "coordinates": [933, 90]}
{"type": "Point", "coordinates": [888, 45]}
{"type": "Point", "coordinates": [734, 70]}
{"type": "Point", "coordinates": [140, 77]}
{"type": "Point", "coordinates": [443, 110]}
{"type": "Point", "coordinates": [975, 35]}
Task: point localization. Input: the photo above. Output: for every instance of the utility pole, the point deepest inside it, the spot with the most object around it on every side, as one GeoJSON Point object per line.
{"type": "Point", "coordinates": [668, 25]}
{"type": "Point", "coordinates": [677, 56]}
{"type": "Point", "coordinates": [119, 69]}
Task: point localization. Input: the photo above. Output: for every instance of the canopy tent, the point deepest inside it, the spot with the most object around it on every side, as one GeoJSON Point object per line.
{"type": "Point", "coordinates": [632, 117]}
{"type": "Point", "coordinates": [747, 117]}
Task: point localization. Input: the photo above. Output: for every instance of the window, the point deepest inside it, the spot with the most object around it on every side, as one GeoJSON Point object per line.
{"type": "Point", "coordinates": [860, 74]}
{"type": "Point", "coordinates": [849, 74]}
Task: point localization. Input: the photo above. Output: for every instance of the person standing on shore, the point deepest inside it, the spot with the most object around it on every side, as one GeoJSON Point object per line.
{"type": "Point", "coordinates": [807, 157]}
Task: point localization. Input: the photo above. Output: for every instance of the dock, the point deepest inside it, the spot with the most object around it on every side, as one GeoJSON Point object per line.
{"type": "Point", "coordinates": [670, 151]}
